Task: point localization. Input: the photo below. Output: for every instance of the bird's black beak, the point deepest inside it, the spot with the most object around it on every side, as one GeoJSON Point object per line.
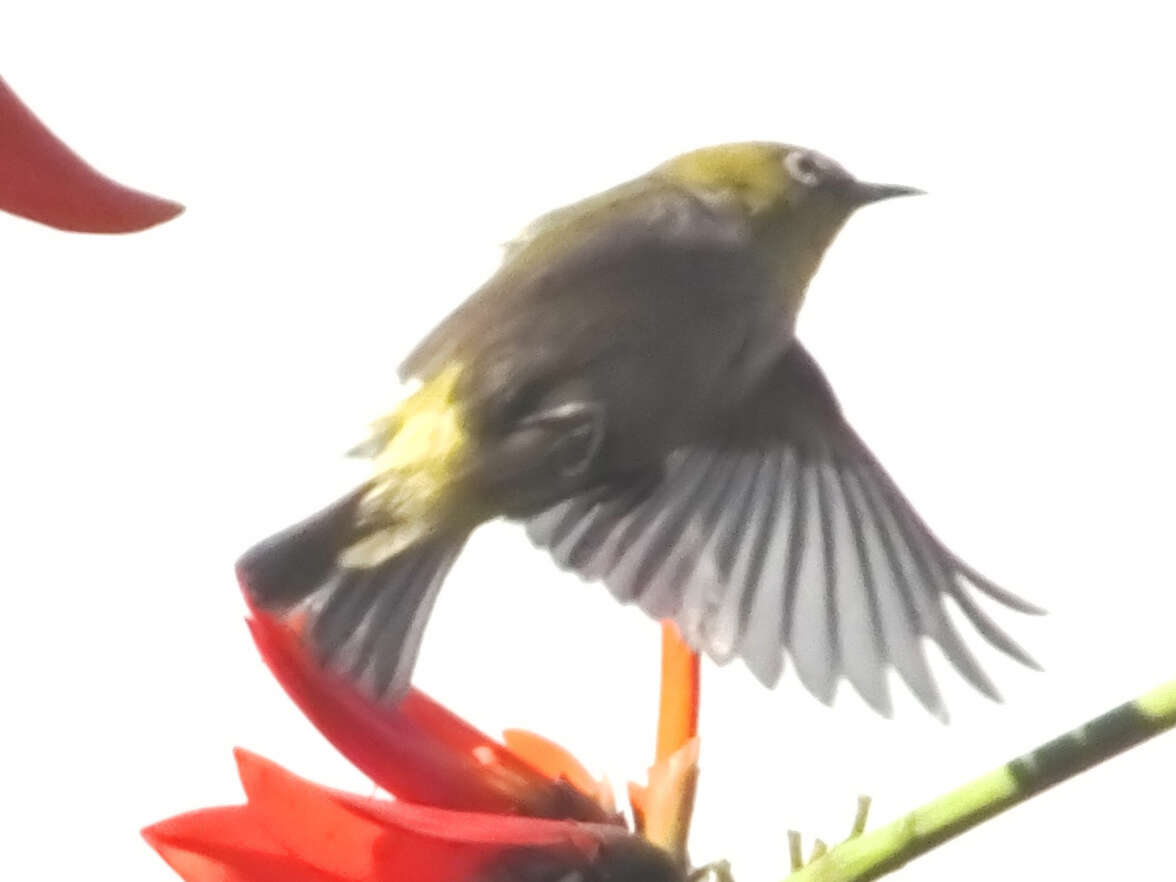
{"type": "Point", "coordinates": [862, 193]}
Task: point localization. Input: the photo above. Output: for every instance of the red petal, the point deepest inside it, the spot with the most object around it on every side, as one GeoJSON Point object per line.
{"type": "Point", "coordinates": [418, 751]}
{"type": "Point", "coordinates": [352, 838]}
{"type": "Point", "coordinates": [43, 180]}
{"type": "Point", "coordinates": [293, 830]}
{"type": "Point", "coordinates": [443, 726]}
{"type": "Point", "coordinates": [226, 845]}
{"type": "Point", "coordinates": [307, 820]}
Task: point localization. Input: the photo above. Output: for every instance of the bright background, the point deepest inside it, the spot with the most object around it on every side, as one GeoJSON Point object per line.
{"type": "Point", "coordinates": [1004, 343]}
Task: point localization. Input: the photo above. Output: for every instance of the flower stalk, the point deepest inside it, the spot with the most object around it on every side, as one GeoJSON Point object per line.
{"type": "Point", "coordinates": [677, 719]}
{"type": "Point", "coordinates": [871, 855]}
{"type": "Point", "coordinates": [664, 808]}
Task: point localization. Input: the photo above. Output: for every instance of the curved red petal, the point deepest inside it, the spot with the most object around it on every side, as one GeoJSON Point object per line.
{"type": "Point", "coordinates": [226, 845]}
{"type": "Point", "coordinates": [418, 750]}
{"type": "Point", "coordinates": [233, 826]}
{"type": "Point", "coordinates": [352, 838]}
{"type": "Point", "coordinates": [43, 180]}
{"type": "Point", "coordinates": [307, 820]}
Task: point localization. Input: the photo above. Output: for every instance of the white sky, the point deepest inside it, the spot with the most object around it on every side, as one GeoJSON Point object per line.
{"type": "Point", "coordinates": [1003, 343]}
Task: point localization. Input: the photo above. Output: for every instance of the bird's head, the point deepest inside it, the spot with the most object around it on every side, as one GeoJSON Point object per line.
{"type": "Point", "coordinates": [783, 184]}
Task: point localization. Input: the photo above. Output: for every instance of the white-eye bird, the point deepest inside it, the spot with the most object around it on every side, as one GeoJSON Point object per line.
{"type": "Point", "coordinates": [629, 385]}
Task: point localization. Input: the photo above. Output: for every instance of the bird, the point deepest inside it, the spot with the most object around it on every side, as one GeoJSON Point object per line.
{"type": "Point", "coordinates": [629, 386]}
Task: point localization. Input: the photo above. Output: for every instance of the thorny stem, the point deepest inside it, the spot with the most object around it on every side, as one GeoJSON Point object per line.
{"type": "Point", "coordinates": [874, 854]}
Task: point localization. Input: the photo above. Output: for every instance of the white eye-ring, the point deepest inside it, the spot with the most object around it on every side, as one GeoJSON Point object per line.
{"type": "Point", "coordinates": [803, 167]}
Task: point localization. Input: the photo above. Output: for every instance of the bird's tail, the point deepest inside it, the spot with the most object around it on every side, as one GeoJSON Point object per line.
{"type": "Point", "coordinates": [362, 619]}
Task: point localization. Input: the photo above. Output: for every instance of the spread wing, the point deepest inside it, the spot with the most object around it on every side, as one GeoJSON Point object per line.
{"type": "Point", "coordinates": [629, 237]}
{"type": "Point", "coordinates": [784, 533]}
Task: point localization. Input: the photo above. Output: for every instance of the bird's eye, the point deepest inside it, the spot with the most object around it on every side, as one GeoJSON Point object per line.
{"type": "Point", "coordinates": [803, 167]}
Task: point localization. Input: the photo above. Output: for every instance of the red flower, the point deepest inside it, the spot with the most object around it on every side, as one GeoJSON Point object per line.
{"type": "Point", "coordinates": [292, 830]}
{"type": "Point", "coordinates": [43, 180]}
{"type": "Point", "coordinates": [419, 750]}
{"type": "Point", "coordinates": [466, 808]}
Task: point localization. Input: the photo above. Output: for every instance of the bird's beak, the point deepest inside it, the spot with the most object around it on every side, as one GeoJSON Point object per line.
{"type": "Point", "coordinates": [863, 193]}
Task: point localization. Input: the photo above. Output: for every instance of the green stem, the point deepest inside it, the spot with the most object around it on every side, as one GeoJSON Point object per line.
{"type": "Point", "coordinates": [881, 851]}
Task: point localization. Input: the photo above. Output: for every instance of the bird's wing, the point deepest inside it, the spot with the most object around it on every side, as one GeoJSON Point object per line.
{"type": "Point", "coordinates": [629, 230]}
{"type": "Point", "coordinates": [783, 532]}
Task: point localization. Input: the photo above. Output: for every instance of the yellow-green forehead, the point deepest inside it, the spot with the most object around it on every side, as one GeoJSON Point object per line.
{"type": "Point", "coordinates": [754, 169]}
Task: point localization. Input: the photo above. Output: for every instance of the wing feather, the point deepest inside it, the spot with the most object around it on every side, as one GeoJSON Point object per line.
{"type": "Point", "coordinates": [781, 533]}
